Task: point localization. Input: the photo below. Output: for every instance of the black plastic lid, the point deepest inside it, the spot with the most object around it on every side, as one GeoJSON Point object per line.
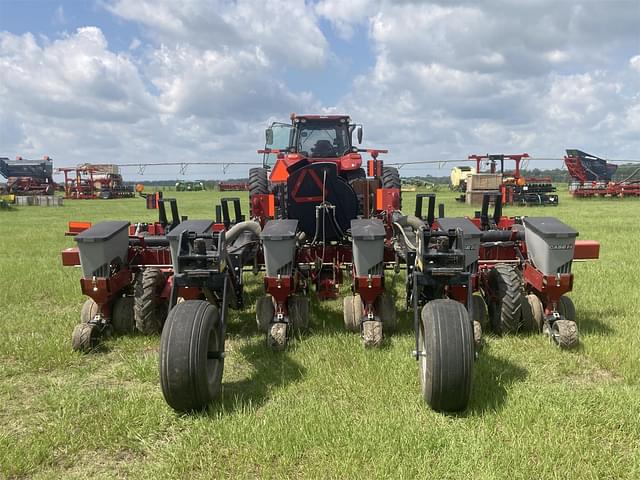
{"type": "Point", "coordinates": [279, 229]}
{"type": "Point", "coordinates": [549, 227]}
{"type": "Point", "coordinates": [367, 229]}
{"type": "Point", "coordinates": [468, 228]}
{"type": "Point", "coordinates": [102, 231]}
{"type": "Point", "coordinates": [196, 226]}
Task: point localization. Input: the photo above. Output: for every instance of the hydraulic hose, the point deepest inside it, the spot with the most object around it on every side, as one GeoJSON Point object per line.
{"type": "Point", "coordinates": [237, 229]}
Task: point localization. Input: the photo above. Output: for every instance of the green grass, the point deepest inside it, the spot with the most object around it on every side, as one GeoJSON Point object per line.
{"type": "Point", "coordinates": [325, 408]}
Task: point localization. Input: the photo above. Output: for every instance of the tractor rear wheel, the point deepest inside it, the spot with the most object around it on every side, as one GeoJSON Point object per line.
{"type": "Point", "coordinates": [265, 311]}
{"type": "Point", "coordinates": [149, 310]}
{"type": "Point", "coordinates": [258, 181]}
{"type": "Point", "coordinates": [299, 312]}
{"type": "Point", "coordinates": [446, 355]}
{"type": "Point", "coordinates": [506, 283]}
{"type": "Point", "coordinates": [385, 307]}
{"type": "Point", "coordinates": [391, 179]}
{"type": "Point", "coordinates": [122, 316]}
{"type": "Point", "coordinates": [191, 356]}
{"type": "Point", "coordinates": [564, 333]}
{"type": "Point", "coordinates": [566, 308]}
{"type": "Point", "coordinates": [353, 311]}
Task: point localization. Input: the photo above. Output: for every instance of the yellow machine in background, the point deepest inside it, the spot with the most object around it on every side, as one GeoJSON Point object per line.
{"type": "Point", "coordinates": [459, 177]}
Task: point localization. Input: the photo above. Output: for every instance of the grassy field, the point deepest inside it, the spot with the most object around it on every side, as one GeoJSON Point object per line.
{"type": "Point", "coordinates": [325, 408]}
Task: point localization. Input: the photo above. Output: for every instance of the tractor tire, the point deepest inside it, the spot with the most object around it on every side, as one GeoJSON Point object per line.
{"type": "Point", "coordinates": [385, 307]}
{"type": "Point", "coordinates": [446, 355]}
{"type": "Point", "coordinates": [564, 334]}
{"type": "Point", "coordinates": [371, 333]}
{"type": "Point", "coordinates": [299, 312]}
{"type": "Point", "coordinates": [122, 316]}
{"type": "Point", "coordinates": [350, 175]}
{"type": "Point", "coordinates": [149, 311]}
{"type": "Point", "coordinates": [258, 181]}
{"type": "Point", "coordinates": [506, 283]}
{"type": "Point", "coordinates": [265, 311]}
{"type": "Point", "coordinates": [277, 336]}
{"type": "Point", "coordinates": [89, 310]}
{"type": "Point", "coordinates": [566, 308]}
{"type": "Point", "coordinates": [479, 311]}
{"type": "Point", "coordinates": [85, 337]}
{"type": "Point", "coordinates": [189, 376]}
{"type": "Point", "coordinates": [391, 179]}
{"type": "Point", "coordinates": [353, 311]}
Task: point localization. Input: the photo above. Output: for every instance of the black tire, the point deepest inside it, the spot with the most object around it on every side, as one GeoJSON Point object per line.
{"type": "Point", "coordinates": [506, 283]}
{"type": "Point", "coordinates": [191, 380]}
{"type": "Point", "coordinates": [89, 310]}
{"type": "Point", "coordinates": [299, 312]}
{"type": "Point", "coordinates": [84, 337]}
{"type": "Point", "coordinates": [122, 316]}
{"type": "Point", "coordinates": [265, 311]}
{"type": "Point", "coordinates": [350, 175]}
{"type": "Point", "coordinates": [566, 308]}
{"type": "Point", "coordinates": [258, 181]}
{"type": "Point", "coordinates": [385, 307]}
{"type": "Point", "coordinates": [479, 311]}
{"type": "Point", "coordinates": [150, 312]}
{"type": "Point", "coordinates": [537, 312]}
{"type": "Point", "coordinates": [277, 336]}
{"type": "Point", "coordinates": [391, 179]}
{"type": "Point", "coordinates": [446, 366]}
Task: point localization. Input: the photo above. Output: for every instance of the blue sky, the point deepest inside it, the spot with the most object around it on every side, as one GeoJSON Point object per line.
{"type": "Point", "coordinates": [196, 80]}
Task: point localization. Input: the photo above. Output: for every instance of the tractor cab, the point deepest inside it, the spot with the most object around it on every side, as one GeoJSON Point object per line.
{"type": "Point", "coordinates": [314, 138]}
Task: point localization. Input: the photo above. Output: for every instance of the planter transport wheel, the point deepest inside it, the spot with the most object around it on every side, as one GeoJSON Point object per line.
{"type": "Point", "coordinates": [150, 311]}
{"type": "Point", "coordinates": [265, 311]}
{"type": "Point", "coordinates": [506, 282]}
{"type": "Point", "coordinates": [122, 317]}
{"type": "Point", "coordinates": [299, 312]}
{"type": "Point", "coordinates": [277, 336]}
{"type": "Point", "coordinates": [191, 355]}
{"type": "Point", "coordinates": [385, 307]}
{"type": "Point", "coordinates": [85, 337]}
{"type": "Point", "coordinates": [89, 311]}
{"type": "Point", "coordinates": [371, 333]}
{"type": "Point", "coordinates": [566, 308]}
{"type": "Point", "coordinates": [353, 311]}
{"type": "Point", "coordinates": [564, 333]}
{"type": "Point", "coordinates": [446, 353]}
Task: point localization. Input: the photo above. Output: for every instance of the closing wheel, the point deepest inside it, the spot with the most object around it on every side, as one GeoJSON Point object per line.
{"type": "Point", "coordinates": [122, 317]}
{"type": "Point", "coordinates": [89, 310]}
{"type": "Point", "coordinates": [150, 311]}
{"type": "Point", "coordinates": [533, 313]}
{"type": "Point", "coordinates": [85, 337]}
{"type": "Point", "coordinates": [506, 283]}
{"type": "Point", "coordinates": [371, 333]}
{"type": "Point", "coordinates": [299, 312]}
{"type": "Point", "coordinates": [479, 311]}
{"type": "Point", "coordinates": [446, 355]}
{"type": "Point", "coordinates": [191, 358]}
{"type": "Point", "coordinates": [265, 311]}
{"type": "Point", "coordinates": [566, 308]}
{"type": "Point", "coordinates": [564, 333]}
{"type": "Point", "coordinates": [277, 336]}
{"type": "Point", "coordinates": [353, 311]}
{"type": "Point", "coordinates": [385, 307]}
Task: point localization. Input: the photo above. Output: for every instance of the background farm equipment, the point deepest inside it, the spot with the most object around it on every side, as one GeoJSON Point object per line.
{"type": "Point", "coordinates": [525, 273]}
{"type": "Point", "coordinates": [28, 177]}
{"type": "Point", "coordinates": [513, 187]}
{"type": "Point", "coordinates": [189, 186]}
{"type": "Point", "coordinates": [94, 181]}
{"type": "Point", "coordinates": [233, 186]}
{"type": "Point", "coordinates": [593, 177]}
